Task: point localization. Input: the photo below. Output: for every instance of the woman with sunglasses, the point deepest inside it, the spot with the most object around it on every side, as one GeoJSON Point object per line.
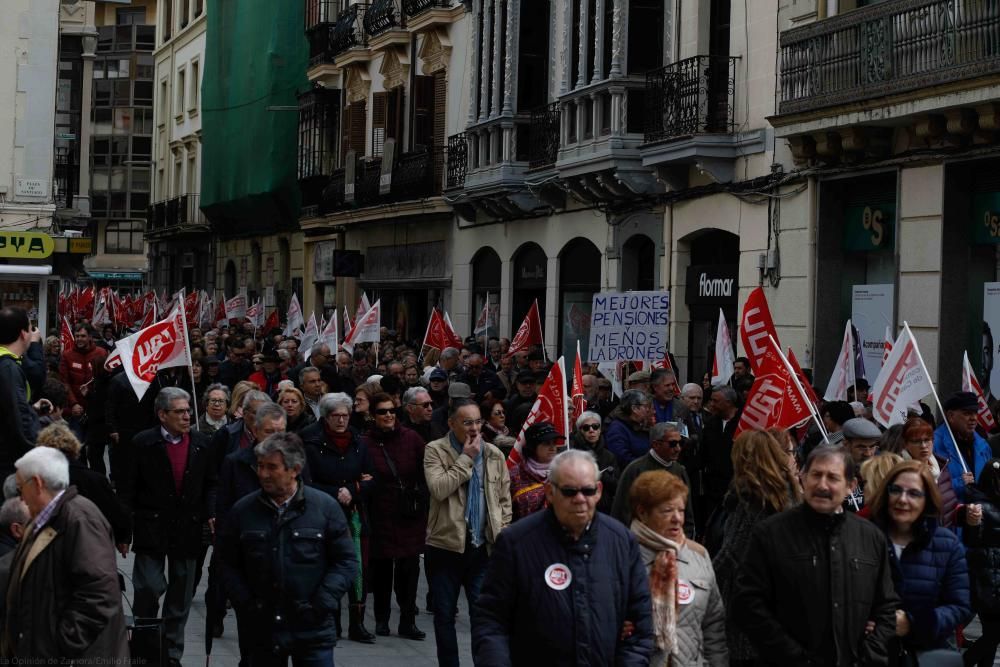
{"type": "Point", "coordinates": [928, 561]}
{"type": "Point", "coordinates": [496, 419]}
{"type": "Point", "coordinates": [980, 521]}
{"type": "Point", "coordinates": [763, 485]}
{"type": "Point", "coordinates": [340, 464]}
{"type": "Point", "coordinates": [589, 436]}
{"type": "Point", "coordinates": [398, 517]}
{"type": "Point", "coordinates": [689, 620]}
{"type": "Point", "coordinates": [917, 437]}
{"type": "Point", "coordinates": [528, 477]}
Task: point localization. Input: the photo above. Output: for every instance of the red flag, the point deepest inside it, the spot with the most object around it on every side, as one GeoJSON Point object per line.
{"type": "Point", "coordinates": [755, 326]}
{"type": "Point", "coordinates": [148, 318]}
{"type": "Point", "coordinates": [774, 400]}
{"type": "Point", "coordinates": [220, 312]}
{"type": "Point", "coordinates": [191, 308]}
{"type": "Point", "coordinates": [272, 322]}
{"type": "Point", "coordinates": [530, 332]}
{"type": "Point", "coordinates": [552, 405]}
{"type": "Point", "coordinates": [85, 303]}
{"type": "Point", "coordinates": [579, 400]}
{"type": "Point", "coordinates": [454, 340]}
{"type": "Point", "coordinates": [902, 382]}
{"type": "Point", "coordinates": [802, 377]}
{"type": "Point", "coordinates": [971, 383]}
{"type": "Point", "coordinates": [366, 329]}
{"type": "Point", "coordinates": [437, 336]}
{"type": "Point", "coordinates": [66, 334]}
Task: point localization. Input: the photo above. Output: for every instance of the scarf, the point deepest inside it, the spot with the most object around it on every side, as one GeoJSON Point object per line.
{"type": "Point", "coordinates": [539, 470]}
{"type": "Point", "coordinates": [473, 496]}
{"type": "Point", "coordinates": [339, 441]}
{"type": "Point", "coordinates": [931, 463]}
{"type": "Point", "coordinates": [662, 584]}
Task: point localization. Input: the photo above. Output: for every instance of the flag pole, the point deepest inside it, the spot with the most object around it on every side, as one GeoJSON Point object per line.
{"type": "Point", "coordinates": [850, 364]}
{"type": "Point", "coordinates": [187, 355]}
{"type": "Point", "coordinates": [801, 390]}
{"type": "Point", "coordinates": [954, 442]}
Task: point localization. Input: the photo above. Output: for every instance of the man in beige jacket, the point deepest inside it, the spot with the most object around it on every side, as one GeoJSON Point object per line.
{"type": "Point", "coordinates": [470, 505]}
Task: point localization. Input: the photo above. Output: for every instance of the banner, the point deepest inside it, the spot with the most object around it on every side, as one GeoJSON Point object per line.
{"type": "Point", "coordinates": [552, 405]}
{"type": "Point", "coordinates": [310, 336]}
{"type": "Point", "coordinates": [971, 383]}
{"type": "Point", "coordinates": [724, 362]}
{"type": "Point", "coordinates": [871, 313]}
{"type": "Point", "coordinates": [455, 340]}
{"type": "Point", "coordinates": [363, 307]}
{"type": "Point", "coordinates": [255, 314]}
{"type": "Point", "coordinates": [803, 380]}
{"type": "Point", "coordinates": [163, 345]}
{"type": "Point", "coordinates": [236, 308]}
{"type": "Point", "coordinates": [755, 326]}
{"type": "Point", "coordinates": [295, 321]}
{"type": "Point", "coordinates": [629, 326]}
{"type": "Point", "coordinates": [439, 335]}
{"type": "Point", "coordinates": [529, 333]}
{"type": "Point", "coordinates": [902, 382]}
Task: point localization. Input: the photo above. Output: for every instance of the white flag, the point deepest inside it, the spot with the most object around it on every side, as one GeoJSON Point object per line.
{"type": "Point", "coordinates": [162, 345]}
{"type": "Point", "coordinates": [329, 335]}
{"type": "Point", "coordinates": [842, 376]}
{"type": "Point", "coordinates": [255, 314]}
{"type": "Point", "coordinates": [609, 369]}
{"type": "Point", "coordinates": [295, 320]}
{"type": "Point", "coordinates": [310, 336]}
{"type": "Point", "coordinates": [725, 363]}
{"type": "Point", "coordinates": [902, 382]}
{"type": "Point", "coordinates": [236, 308]}
{"type": "Point", "coordinates": [363, 307]}
{"type": "Point", "coordinates": [483, 323]}
{"type": "Point", "coordinates": [366, 328]}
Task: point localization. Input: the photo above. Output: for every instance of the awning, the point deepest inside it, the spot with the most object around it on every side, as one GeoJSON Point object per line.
{"type": "Point", "coordinates": [25, 270]}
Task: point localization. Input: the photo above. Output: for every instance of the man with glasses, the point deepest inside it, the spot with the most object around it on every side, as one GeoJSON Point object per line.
{"type": "Point", "coordinates": [539, 602]}
{"type": "Point", "coordinates": [169, 493]}
{"type": "Point", "coordinates": [469, 506]}
{"type": "Point", "coordinates": [419, 410]}
{"type": "Point", "coordinates": [665, 442]}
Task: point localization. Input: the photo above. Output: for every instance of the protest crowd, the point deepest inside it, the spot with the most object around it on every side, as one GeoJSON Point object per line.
{"type": "Point", "coordinates": [592, 517]}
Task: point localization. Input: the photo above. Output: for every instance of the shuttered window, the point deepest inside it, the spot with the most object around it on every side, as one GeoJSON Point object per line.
{"type": "Point", "coordinates": [387, 118]}
{"type": "Point", "coordinates": [353, 130]}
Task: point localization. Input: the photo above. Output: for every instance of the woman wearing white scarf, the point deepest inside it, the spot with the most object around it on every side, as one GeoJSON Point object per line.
{"type": "Point", "coordinates": [688, 616]}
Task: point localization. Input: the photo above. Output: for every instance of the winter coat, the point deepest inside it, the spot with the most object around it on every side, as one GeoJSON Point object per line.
{"type": "Point", "coordinates": [330, 470]}
{"type": "Point", "coordinates": [96, 488]}
{"type": "Point", "coordinates": [527, 491]}
{"type": "Point", "coordinates": [716, 459]}
{"type": "Point", "coordinates": [576, 616]}
{"type": "Point", "coordinates": [932, 578]}
{"type": "Point", "coordinates": [238, 478]}
{"type": "Point", "coordinates": [286, 573]}
{"type": "Point", "coordinates": [944, 448]}
{"type": "Point", "coordinates": [20, 380]}
{"type": "Point", "coordinates": [622, 507]}
{"type": "Point", "coordinates": [66, 606]}
{"type": "Point", "coordinates": [447, 472]}
{"type": "Point", "coordinates": [304, 419]}
{"type": "Point", "coordinates": [393, 535]}
{"type": "Point", "coordinates": [805, 573]}
{"type": "Point", "coordinates": [606, 462]}
{"type": "Point", "coordinates": [701, 623]}
{"type": "Point", "coordinates": [982, 544]}
{"type": "Point", "coordinates": [76, 371]}
{"type": "Point", "coordinates": [625, 441]}
{"type": "Point", "coordinates": [164, 523]}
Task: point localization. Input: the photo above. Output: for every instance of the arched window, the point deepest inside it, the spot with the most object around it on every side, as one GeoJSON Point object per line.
{"type": "Point", "coordinates": [486, 273]}
{"type": "Point", "coordinates": [229, 281]}
{"type": "Point", "coordinates": [639, 264]}
{"type": "Point", "coordinates": [579, 279]}
{"type": "Point", "coordinates": [530, 273]}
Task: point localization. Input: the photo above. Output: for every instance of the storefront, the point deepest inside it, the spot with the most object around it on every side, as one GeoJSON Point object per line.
{"type": "Point", "coordinates": [529, 280]}
{"type": "Point", "coordinates": [712, 283]}
{"type": "Point", "coordinates": [487, 274]}
{"type": "Point", "coordinates": [579, 279]}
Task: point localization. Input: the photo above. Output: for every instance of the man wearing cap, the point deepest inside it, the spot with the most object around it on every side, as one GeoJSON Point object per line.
{"type": "Point", "coordinates": [638, 380]}
{"type": "Point", "coordinates": [524, 394]}
{"type": "Point", "coordinates": [437, 383]}
{"type": "Point", "coordinates": [269, 375]}
{"type": "Point", "coordinates": [861, 440]}
{"type": "Point", "coordinates": [456, 391]}
{"type": "Point", "coordinates": [960, 414]}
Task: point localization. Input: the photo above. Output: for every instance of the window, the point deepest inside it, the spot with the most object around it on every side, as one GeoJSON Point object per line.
{"type": "Point", "coordinates": [192, 174]}
{"type": "Point", "coordinates": [180, 90]}
{"type": "Point", "coordinates": [184, 12]}
{"type": "Point", "coordinates": [168, 18]}
{"type": "Point", "coordinates": [353, 130]}
{"type": "Point", "coordinates": [387, 118]}
{"type": "Point", "coordinates": [195, 84]}
{"type": "Point", "coordinates": [164, 102]}
{"type": "Point", "coordinates": [142, 92]}
{"type": "Point", "coordinates": [124, 237]}
{"type": "Point", "coordinates": [130, 15]}
{"type": "Point", "coordinates": [317, 133]}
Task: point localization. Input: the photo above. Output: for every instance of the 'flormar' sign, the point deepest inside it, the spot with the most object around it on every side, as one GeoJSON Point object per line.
{"type": "Point", "coordinates": [711, 284]}
{"type": "Point", "coordinates": [26, 245]}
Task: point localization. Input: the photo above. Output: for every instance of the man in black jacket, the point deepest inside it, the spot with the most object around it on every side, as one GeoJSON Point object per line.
{"type": "Point", "coordinates": [715, 453]}
{"type": "Point", "coordinates": [814, 576]}
{"type": "Point", "coordinates": [22, 373]}
{"type": "Point", "coordinates": [126, 415]}
{"type": "Point", "coordinates": [169, 492]}
{"type": "Point", "coordinates": [287, 559]}
{"type": "Point", "coordinates": [538, 604]}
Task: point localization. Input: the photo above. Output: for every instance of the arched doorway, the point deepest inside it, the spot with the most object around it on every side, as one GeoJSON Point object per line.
{"type": "Point", "coordinates": [639, 264]}
{"type": "Point", "coordinates": [712, 284]}
{"type": "Point", "coordinates": [530, 274]}
{"type": "Point", "coordinates": [486, 272]}
{"type": "Point", "coordinates": [256, 272]}
{"type": "Point", "coordinates": [229, 279]}
{"type": "Point", "coordinates": [579, 279]}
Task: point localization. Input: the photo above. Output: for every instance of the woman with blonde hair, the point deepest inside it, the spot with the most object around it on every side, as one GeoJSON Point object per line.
{"type": "Point", "coordinates": [294, 405]}
{"type": "Point", "coordinates": [873, 472]}
{"type": "Point", "coordinates": [763, 485]}
{"type": "Point", "coordinates": [236, 399]}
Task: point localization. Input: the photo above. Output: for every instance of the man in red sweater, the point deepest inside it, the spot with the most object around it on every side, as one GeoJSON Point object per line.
{"type": "Point", "coordinates": [76, 369]}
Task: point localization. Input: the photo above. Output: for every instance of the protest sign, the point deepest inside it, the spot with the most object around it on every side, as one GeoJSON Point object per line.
{"type": "Point", "coordinates": [629, 326]}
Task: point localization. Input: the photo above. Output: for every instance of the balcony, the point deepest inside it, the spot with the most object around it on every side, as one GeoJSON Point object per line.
{"type": "Point", "coordinates": [328, 37]}
{"type": "Point", "coordinates": [176, 218]}
{"type": "Point", "coordinates": [543, 137]}
{"type": "Point", "coordinates": [895, 48]}
{"type": "Point", "coordinates": [415, 176]}
{"type": "Point", "coordinates": [690, 120]}
{"type": "Point", "coordinates": [457, 160]}
{"type": "Point", "coordinates": [414, 8]}
{"type": "Point", "coordinates": [422, 15]}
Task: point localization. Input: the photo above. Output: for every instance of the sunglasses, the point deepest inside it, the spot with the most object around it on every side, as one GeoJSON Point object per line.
{"type": "Point", "coordinates": [590, 427]}
{"type": "Point", "coordinates": [571, 491]}
{"type": "Point", "coordinates": [384, 411]}
{"type": "Point", "coordinates": [423, 406]}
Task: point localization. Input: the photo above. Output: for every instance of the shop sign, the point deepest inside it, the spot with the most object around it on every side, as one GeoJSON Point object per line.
{"type": "Point", "coordinates": [26, 245]}
{"type": "Point", "coordinates": [414, 261]}
{"type": "Point", "coordinates": [869, 227]}
{"type": "Point", "coordinates": [31, 187]}
{"type": "Point", "coordinates": [986, 218]}
{"type": "Point", "coordinates": [115, 275]}
{"type": "Point", "coordinates": [712, 284]}
{"type": "Point", "coordinates": [81, 246]}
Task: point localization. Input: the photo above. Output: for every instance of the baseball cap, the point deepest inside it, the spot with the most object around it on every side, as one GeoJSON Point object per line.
{"type": "Point", "coordinates": [438, 374]}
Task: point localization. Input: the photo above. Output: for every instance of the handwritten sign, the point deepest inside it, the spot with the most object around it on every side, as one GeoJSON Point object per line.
{"type": "Point", "coordinates": [628, 326]}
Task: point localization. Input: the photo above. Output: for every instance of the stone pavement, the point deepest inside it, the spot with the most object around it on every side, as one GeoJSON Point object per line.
{"type": "Point", "coordinates": [387, 651]}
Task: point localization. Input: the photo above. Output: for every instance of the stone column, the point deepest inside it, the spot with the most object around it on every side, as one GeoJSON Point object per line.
{"type": "Point", "coordinates": [473, 60]}
{"type": "Point", "coordinates": [484, 47]}
{"type": "Point", "coordinates": [581, 78]}
{"type": "Point", "coordinates": [498, 39]}
{"type": "Point", "coordinates": [598, 42]}
{"type": "Point", "coordinates": [511, 60]}
{"type": "Point", "coordinates": [619, 37]}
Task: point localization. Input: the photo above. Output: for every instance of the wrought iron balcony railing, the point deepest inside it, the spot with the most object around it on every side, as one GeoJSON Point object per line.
{"type": "Point", "coordinates": [543, 136]}
{"type": "Point", "coordinates": [887, 48]}
{"type": "Point", "coordinates": [366, 182]}
{"type": "Point", "coordinates": [415, 175]}
{"type": "Point", "coordinates": [418, 174]}
{"type": "Point", "coordinates": [458, 160]}
{"type": "Point", "coordinates": [177, 214]}
{"type": "Point", "coordinates": [414, 8]}
{"type": "Point", "coordinates": [327, 41]}
{"type": "Point", "coordinates": [689, 97]}
{"type": "Point", "coordinates": [382, 16]}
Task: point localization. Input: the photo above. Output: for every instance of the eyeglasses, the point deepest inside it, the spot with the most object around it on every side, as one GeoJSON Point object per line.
{"type": "Point", "coordinates": [216, 401]}
{"type": "Point", "coordinates": [571, 491]}
{"type": "Point", "coordinates": [896, 490]}
{"type": "Point", "coordinates": [469, 423]}
{"type": "Point", "coordinates": [339, 415]}
{"type": "Point", "coordinates": [590, 427]}
{"type": "Point", "coordinates": [918, 441]}
{"type": "Point", "coordinates": [384, 411]}
{"type": "Point", "coordinates": [423, 406]}
{"type": "Point", "coordinates": [180, 411]}
{"type": "Point", "coordinates": [673, 444]}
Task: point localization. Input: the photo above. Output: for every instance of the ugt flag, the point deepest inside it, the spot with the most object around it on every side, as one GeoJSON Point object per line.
{"type": "Point", "coordinates": [552, 405]}
{"type": "Point", "coordinates": [902, 382]}
{"type": "Point", "coordinates": [163, 345]}
{"type": "Point", "coordinates": [776, 399]}
{"type": "Point", "coordinates": [755, 326]}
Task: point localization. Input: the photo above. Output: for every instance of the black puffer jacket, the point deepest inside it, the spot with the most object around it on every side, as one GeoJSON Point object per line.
{"type": "Point", "coordinates": [286, 573]}
{"type": "Point", "coordinates": [983, 555]}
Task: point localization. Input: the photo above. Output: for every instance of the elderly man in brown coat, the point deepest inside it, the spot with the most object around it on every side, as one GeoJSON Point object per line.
{"type": "Point", "coordinates": [63, 600]}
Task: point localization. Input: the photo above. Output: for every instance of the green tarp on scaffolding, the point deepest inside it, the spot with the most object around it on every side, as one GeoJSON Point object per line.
{"type": "Point", "coordinates": [256, 59]}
